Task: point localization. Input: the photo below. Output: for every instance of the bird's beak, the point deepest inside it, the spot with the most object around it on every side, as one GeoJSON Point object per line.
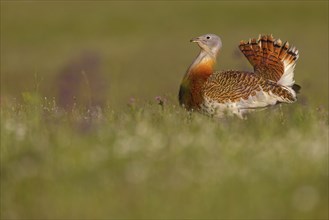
{"type": "Point", "coordinates": [195, 40]}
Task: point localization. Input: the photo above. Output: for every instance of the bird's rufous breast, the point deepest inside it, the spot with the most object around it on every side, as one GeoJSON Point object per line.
{"type": "Point", "coordinates": [195, 80]}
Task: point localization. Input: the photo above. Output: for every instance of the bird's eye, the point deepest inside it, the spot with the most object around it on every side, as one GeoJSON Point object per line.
{"type": "Point", "coordinates": [208, 37]}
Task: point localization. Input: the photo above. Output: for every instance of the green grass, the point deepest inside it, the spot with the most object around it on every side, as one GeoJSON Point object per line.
{"type": "Point", "coordinates": [152, 162]}
{"type": "Point", "coordinates": [111, 151]}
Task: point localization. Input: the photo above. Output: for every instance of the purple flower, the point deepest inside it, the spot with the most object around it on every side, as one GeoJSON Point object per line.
{"type": "Point", "coordinates": [161, 101]}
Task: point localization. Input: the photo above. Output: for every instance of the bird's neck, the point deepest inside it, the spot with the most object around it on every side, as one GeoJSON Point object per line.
{"type": "Point", "coordinates": [194, 79]}
{"type": "Point", "coordinates": [202, 65]}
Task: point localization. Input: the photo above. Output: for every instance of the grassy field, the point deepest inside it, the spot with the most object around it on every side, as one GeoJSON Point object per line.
{"type": "Point", "coordinates": [84, 136]}
{"type": "Point", "coordinates": [156, 161]}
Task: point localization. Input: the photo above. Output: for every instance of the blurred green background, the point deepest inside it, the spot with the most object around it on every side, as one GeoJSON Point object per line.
{"type": "Point", "coordinates": [145, 160]}
{"type": "Point", "coordinates": [141, 49]}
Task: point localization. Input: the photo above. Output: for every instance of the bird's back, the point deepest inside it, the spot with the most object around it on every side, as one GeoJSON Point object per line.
{"type": "Point", "coordinates": [238, 91]}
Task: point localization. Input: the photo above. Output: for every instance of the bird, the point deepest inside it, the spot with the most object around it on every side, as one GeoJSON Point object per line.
{"type": "Point", "coordinates": [234, 92]}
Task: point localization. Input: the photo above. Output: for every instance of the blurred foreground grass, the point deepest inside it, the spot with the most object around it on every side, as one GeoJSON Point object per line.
{"type": "Point", "coordinates": [151, 161]}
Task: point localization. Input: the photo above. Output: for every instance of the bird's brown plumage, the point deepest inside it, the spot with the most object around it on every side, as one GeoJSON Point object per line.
{"type": "Point", "coordinates": [232, 86]}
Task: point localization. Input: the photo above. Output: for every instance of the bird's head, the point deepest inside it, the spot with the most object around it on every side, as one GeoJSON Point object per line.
{"type": "Point", "coordinates": [210, 43]}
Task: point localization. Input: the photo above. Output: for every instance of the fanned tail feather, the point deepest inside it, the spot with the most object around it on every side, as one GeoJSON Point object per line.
{"type": "Point", "coordinates": [271, 59]}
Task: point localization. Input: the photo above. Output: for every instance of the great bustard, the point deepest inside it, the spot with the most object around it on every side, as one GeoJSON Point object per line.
{"type": "Point", "coordinates": [239, 92]}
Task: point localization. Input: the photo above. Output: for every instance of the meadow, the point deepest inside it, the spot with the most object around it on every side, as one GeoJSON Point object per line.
{"type": "Point", "coordinates": [91, 127]}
